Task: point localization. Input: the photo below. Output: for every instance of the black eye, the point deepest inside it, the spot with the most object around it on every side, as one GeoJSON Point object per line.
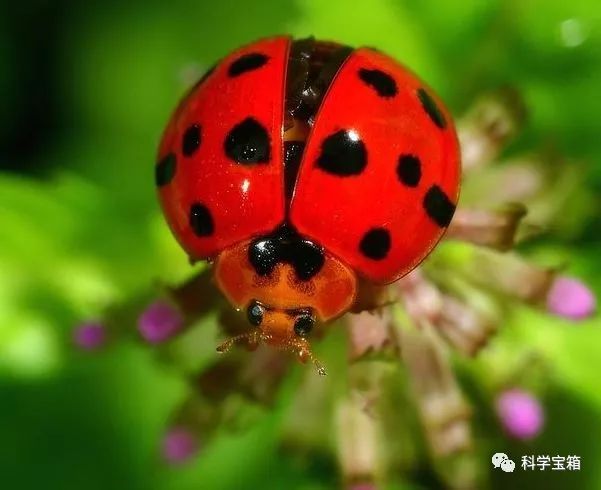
{"type": "Point", "coordinates": [254, 313]}
{"type": "Point", "coordinates": [303, 324]}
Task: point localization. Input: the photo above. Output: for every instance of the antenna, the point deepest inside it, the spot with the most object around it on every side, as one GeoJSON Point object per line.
{"type": "Point", "coordinates": [298, 346]}
{"type": "Point", "coordinates": [251, 339]}
{"type": "Point", "coordinates": [303, 351]}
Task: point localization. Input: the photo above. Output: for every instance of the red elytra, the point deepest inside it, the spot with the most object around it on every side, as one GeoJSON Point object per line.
{"type": "Point", "coordinates": [243, 200]}
{"type": "Point", "coordinates": [337, 211]}
{"type": "Point", "coordinates": [372, 183]}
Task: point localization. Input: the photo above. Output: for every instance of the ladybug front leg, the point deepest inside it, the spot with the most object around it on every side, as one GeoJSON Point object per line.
{"type": "Point", "coordinates": [371, 297]}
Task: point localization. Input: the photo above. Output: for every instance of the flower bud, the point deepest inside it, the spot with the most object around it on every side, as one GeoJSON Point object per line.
{"type": "Point", "coordinates": [520, 413]}
{"type": "Point", "coordinates": [179, 445]}
{"type": "Point", "coordinates": [570, 298]}
{"type": "Point", "coordinates": [90, 336]}
{"type": "Point", "coordinates": [159, 322]}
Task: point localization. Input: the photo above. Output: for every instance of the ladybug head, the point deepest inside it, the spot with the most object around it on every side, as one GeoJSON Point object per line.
{"type": "Point", "coordinates": [273, 328]}
{"type": "Point", "coordinates": [287, 286]}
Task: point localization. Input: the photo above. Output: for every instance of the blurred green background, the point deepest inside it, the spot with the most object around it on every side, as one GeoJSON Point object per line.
{"type": "Point", "coordinates": [86, 88]}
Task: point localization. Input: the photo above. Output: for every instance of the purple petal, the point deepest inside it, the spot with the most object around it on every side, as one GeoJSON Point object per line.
{"type": "Point", "coordinates": [179, 445]}
{"type": "Point", "coordinates": [90, 336]}
{"type": "Point", "coordinates": [159, 322]}
{"type": "Point", "coordinates": [520, 413]}
{"type": "Point", "coordinates": [571, 299]}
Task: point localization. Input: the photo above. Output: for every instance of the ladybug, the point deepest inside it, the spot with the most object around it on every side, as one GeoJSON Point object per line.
{"type": "Point", "coordinates": [307, 171]}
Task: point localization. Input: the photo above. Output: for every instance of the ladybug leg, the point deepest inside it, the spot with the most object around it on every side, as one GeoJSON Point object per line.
{"type": "Point", "coordinates": [371, 297]}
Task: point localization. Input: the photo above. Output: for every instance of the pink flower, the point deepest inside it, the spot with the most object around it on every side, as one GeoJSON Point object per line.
{"type": "Point", "coordinates": [570, 299]}
{"type": "Point", "coordinates": [159, 322]}
{"type": "Point", "coordinates": [179, 445]}
{"type": "Point", "coordinates": [521, 413]}
{"type": "Point", "coordinates": [90, 336]}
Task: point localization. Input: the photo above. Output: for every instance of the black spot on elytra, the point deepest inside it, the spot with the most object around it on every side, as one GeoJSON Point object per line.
{"type": "Point", "coordinates": [247, 142]}
{"type": "Point", "coordinates": [247, 62]}
{"type": "Point", "coordinates": [343, 154]}
{"type": "Point", "coordinates": [201, 220]}
{"type": "Point", "coordinates": [285, 245]}
{"type": "Point", "coordinates": [409, 170]}
{"type": "Point", "coordinates": [191, 140]}
{"type": "Point", "coordinates": [438, 206]}
{"type": "Point", "coordinates": [381, 82]}
{"type": "Point", "coordinates": [164, 171]}
{"type": "Point", "coordinates": [431, 108]}
{"type": "Point", "coordinates": [375, 244]}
